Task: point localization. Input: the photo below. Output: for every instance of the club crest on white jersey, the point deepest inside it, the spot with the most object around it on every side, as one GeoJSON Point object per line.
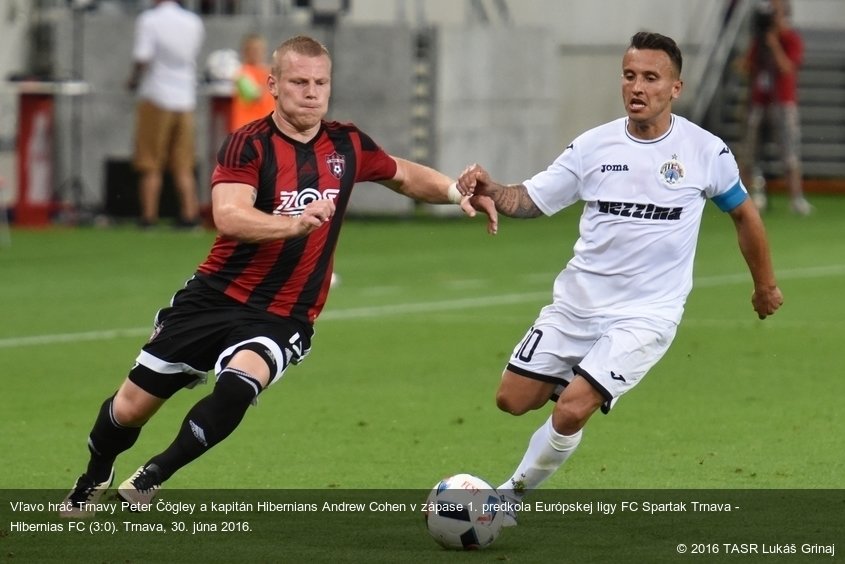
{"type": "Point", "coordinates": [672, 171]}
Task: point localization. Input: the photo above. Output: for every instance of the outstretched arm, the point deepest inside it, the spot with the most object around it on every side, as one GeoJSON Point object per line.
{"type": "Point", "coordinates": [420, 182]}
{"type": "Point", "coordinates": [425, 184]}
{"type": "Point", "coordinates": [753, 244]}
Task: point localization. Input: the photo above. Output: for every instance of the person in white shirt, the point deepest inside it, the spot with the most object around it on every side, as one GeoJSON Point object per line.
{"type": "Point", "coordinates": [167, 43]}
{"type": "Point", "coordinates": [644, 179]}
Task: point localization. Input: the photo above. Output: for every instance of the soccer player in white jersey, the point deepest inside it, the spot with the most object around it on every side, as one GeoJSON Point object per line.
{"type": "Point", "coordinates": [645, 179]}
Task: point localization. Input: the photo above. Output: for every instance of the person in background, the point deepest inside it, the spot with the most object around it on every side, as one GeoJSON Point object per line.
{"type": "Point", "coordinates": [772, 62]}
{"type": "Point", "coordinates": [167, 43]}
{"type": "Point", "coordinates": [251, 99]}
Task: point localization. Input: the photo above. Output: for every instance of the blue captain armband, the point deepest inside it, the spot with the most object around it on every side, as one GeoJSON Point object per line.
{"type": "Point", "coordinates": [731, 199]}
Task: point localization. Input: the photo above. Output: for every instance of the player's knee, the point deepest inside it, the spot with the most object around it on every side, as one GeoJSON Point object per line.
{"type": "Point", "coordinates": [505, 403]}
{"type": "Point", "coordinates": [576, 404]}
{"type": "Point", "coordinates": [255, 360]}
{"type": "Point", "coordinates": [236, 388]}
{"type": "Point", "coordinates": [133, 410]}
{"type": "Point", "coordinates": [569, 417]}
{"type": "Point", "coordinates": [515, 404]}
{"type": "Point", "coordinates": [518, 394]}
{"type": "Point", "coordinates": [568, 422]}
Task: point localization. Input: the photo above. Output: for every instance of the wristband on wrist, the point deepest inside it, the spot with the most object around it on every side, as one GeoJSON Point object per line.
{"type": "Point", "coordinates": [453, 194]}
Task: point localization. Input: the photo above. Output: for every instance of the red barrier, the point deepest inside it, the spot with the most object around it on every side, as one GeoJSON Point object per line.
{"type": "Point", "coordinates": [35, 159]}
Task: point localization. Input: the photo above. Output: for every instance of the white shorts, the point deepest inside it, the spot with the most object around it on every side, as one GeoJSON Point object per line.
{"type": "Point", "coordinates": [612, 352]}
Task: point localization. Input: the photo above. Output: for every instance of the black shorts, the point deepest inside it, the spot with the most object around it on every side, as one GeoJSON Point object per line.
{"type": "Point", "coordinates": [202, 329]}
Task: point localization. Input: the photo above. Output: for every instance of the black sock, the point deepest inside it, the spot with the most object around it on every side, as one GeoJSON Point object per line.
{"type": "Point", "coordinates": [210, 421]}
{"type": "Point", "coordinates": [108, 438]}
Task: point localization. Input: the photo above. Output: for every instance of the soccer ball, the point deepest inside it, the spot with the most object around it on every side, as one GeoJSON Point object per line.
{"type": "Point", "coordinates": [463, 512]}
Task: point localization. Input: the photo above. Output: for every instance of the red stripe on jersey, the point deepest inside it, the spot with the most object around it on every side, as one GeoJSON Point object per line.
{"type": "Point", "coordinates": [220, 252]}
{"type": "Point", "coordinates": [243, 286]}
{"type": "Point", "coordinates": [235, 149]}
{"type": "Point", "coordinates": [241, 155]}
{"type": "Point", "coordinates": [289, 296]}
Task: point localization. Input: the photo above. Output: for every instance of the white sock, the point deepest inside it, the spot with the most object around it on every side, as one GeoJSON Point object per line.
{"type": "Point", "coordinates": [547, 451]}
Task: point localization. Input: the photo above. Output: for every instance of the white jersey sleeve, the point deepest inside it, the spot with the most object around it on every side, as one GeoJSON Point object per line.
{"type": "Point", "coordinates": [725, 189]}
{"type": "Point", "coordinates": [558, 186]}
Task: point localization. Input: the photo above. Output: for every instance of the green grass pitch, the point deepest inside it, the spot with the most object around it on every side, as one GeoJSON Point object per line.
{"type": "Point", "coordinates": [398, 390]}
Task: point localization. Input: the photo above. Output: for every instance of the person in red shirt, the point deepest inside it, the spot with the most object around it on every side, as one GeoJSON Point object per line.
{"type": "Point", "coordinates": [772, 62]}
{"type": "Point", "coordinates": [279, 193]}
{"type": "Point", "coordinates": [251, 99]}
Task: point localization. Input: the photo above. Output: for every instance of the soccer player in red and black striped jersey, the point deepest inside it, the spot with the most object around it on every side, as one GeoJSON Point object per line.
{"type": "Point", "coordinates": [279, 193]}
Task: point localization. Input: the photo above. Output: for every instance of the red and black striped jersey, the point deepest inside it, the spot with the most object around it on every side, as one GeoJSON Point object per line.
{"type": "Point", "coordinates": [289, 278]}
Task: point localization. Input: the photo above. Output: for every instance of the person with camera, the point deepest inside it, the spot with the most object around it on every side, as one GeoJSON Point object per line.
{"type": "Point", "coordinates": [772, 62]}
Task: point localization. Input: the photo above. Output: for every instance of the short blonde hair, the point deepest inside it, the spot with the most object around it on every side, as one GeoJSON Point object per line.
{"type": "Point", "coordinates": [300, 44]}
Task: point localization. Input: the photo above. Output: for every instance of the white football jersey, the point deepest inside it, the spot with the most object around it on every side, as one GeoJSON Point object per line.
{"type": "Point", "coordinates": [644, 202]}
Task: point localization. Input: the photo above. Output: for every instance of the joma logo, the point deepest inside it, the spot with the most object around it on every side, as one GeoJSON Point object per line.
{"type": "Point", "coordinates": [614, 168]}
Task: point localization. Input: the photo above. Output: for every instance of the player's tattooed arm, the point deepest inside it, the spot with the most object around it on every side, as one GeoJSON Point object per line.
{"type": "Point", "coordinates": [512, 200]}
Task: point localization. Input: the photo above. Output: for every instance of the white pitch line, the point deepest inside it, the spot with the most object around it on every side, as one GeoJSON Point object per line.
{"type": "Point", "coordinates": [420, 307]}
{"type": "Point", "coordinates": [789, 274]}
{"type": "Point", "coordinates": [351, 313]}
{"type": "Point", "coordinates": [74, 337]}
{"type": "Point", "coordinates": [423, 307]}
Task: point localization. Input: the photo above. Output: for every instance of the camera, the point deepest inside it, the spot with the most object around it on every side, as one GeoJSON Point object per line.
{"type": "Point", "coordinates": [763, 18]}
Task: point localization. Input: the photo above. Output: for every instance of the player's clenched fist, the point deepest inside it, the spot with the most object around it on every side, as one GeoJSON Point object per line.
{"type": "Point", "coordinates": [473, 177]}
{"type": "Point", "coordinates": [315, 215]}
{"type": "Point", "coordinates": [766, 301]}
